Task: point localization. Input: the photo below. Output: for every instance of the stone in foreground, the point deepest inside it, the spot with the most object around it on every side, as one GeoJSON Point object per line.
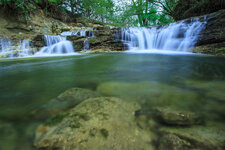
{"type": "Point", "coordinates": [102, 123]}
{"type": "Point", "coordinates": [174, 117]}
{"type": "Point", "coordinates": [65, 101]}
{"type": "Point", "coordinates": [208, 137]}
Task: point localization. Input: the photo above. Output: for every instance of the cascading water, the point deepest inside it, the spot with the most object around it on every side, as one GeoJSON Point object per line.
{"type": "Point", "coordinates": [86, 44]}
{"type": "Point", "coordinates": [88, 33]}
{"type": "Point", "coordinates": [56, 45]}
{"type": "Point", "coordinates": [85, 33]}
{"type": "Point", "coordinates": [179, 36]}
{"type": "Point", "coordinates": [9, 49]}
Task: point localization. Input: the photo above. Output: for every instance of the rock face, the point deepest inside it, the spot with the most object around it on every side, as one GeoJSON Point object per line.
{"type": "Point", "coordinates": [213, 49]}
{"type": "Point", "coordinates": [102, 123]}
{"type": "Point", "coordinates": [214, 30]}
{"type": "Point", "coordinates": [102, 41]}
{"type": "Point", "coordinates": [64, 101]}
{"type": "Point", "coordinates": [211, 40]}
{"type": "Point", "coordinates": [192, 8]}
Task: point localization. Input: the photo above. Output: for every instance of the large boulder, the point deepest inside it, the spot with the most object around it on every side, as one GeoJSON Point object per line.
{"type": "Point", "coordinates": [78, 42]}
{"type": "Point", "coordinates": [64, 101]}
{"type": "Point", "coordinates": [213, 49]}
{"type": "Point", "coordinates": [214, 30]}
{"type": "Point", "coordinates": [38, 41]}
{"type": "Point", "coordinates": [102, 123]}
{"type": "Point", "coordinates": [208, 137]}
{"type": "Point", "coordinates": [192, 8]}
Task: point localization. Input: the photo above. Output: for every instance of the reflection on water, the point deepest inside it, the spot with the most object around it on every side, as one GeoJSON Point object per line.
{"type": "Point", "coordinates": [186, 82]}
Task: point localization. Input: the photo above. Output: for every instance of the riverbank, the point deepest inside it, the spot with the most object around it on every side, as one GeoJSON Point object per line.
{"type": "Point", "coordinates": [106, 38]}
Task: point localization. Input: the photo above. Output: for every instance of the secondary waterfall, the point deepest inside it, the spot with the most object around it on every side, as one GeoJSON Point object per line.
{"type": "Point", "coordinates": [87, 33]}
{"type": "Point", "coordinates": [56, 45]}
{"type": "Point", "coordinates": [179, 36]}
{"type": "Point", "coordinates": [10, 49]}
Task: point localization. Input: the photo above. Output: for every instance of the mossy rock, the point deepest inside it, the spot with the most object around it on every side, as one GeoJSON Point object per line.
{"type": "Point", "coordinates": [176, 117]}
{"type": "Point", "coordinates": [213, 49]}
{"type": "Point", "coordinates": [171, 142]}
{"type": "Point", "coordinates": [64, 101]}
{"type": "Point", "coordinates": [208, 137]}
{"type": "Point", "coordinates": [99, 124]}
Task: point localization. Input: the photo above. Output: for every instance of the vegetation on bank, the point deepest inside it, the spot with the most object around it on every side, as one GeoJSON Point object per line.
{"type": "Point", "coordinates": [120, 13]}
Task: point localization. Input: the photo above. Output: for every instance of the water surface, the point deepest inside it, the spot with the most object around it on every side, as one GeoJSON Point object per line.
{"type": "Point", "coordinates": [192, 82]}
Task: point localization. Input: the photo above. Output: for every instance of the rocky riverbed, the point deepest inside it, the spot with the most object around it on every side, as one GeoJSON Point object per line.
{"type": "Point", "coordinates": [115, 123]}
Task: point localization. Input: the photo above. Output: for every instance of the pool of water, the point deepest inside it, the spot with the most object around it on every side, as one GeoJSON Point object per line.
{"type": "Point", "coordinates": [188, 82]}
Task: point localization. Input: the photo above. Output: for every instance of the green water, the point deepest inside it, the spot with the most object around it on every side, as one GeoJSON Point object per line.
{"type": "Point", "coordinates": [190, 82]}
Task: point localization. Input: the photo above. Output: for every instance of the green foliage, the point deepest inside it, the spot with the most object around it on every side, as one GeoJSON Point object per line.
{"type": "Point", "coordinates": [126, 13]}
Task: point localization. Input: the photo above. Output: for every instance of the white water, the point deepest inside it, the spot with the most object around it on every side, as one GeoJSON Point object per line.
{"type": "Point", "coordinates": [9, 49]}
{"type": "Point", "coordinates": [179, 36]}
{"type": "Point", "coordinates": [85, 33]}
{"type": "Point", "coordinates": [88, 33]}
{"type": "Point", "coordinates": [56, 45]}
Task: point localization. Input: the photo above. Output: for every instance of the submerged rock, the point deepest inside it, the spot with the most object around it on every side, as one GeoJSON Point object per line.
{"type": "Point", "coordinates": [174, 117]}
{"type": "Point", "coordinates": [64, 101]}
{"type": "Point", "coordinates": [101, 123]}
{"type": "Point", "coordinates": [171, 142]}
{"type": "Point", "coordinates": [209, 137]}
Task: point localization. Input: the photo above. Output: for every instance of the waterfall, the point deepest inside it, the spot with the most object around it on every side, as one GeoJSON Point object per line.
{"type": "Point", "coordinates": [86, 44]}
{"type": "Point", "coordinates": [181, 36]}
{"type": "Point", "coordinates": [87, 33]}
{"type": "Point", "coordinates": [56, 45]}
{"type": "Point", "coordinates": [10, 49]}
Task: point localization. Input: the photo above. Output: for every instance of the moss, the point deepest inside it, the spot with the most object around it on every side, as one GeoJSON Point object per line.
{"type": "Point", "coordinates": [93, 132]}
{"type": "Point", "coordinates": [104, 133]}
{"type": "Point", "coordinates": [92, 41]}
{"type": "Point", "coordinates": [75, 123]}
{"type": "Point", "coordinates": [55, 119]}
{"type": "Point", "coordinates": [84, 117]}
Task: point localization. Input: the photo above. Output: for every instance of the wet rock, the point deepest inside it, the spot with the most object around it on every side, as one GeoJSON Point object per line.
{"type": "Point", "coordinates": [208, 137]}
{"type": "Point", "coordinates": [173, 117]}
{"type": "Point", "coordinates": [64, 101]}
{"type": "Point", "coordinates": [38, 41]}
{"type": "Point", "coordinates": [98, 40]}
{"type": "Point", "coordinates": [98, 124]}
{"type": "Point", "coordinates": [213, 49]}
{"type": "Point", "coordinates": [171, 142]}
{"type": "Point", "coordinates": [214, 33]}
{"type": "Point", "coordinates": [78, 42]}
{"type": "Point", "coordinates": [103, 33]}
{"type": "Point", "coordinates": [103, 28]}
{"type": "Point", "coordinates": [192, 8]}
